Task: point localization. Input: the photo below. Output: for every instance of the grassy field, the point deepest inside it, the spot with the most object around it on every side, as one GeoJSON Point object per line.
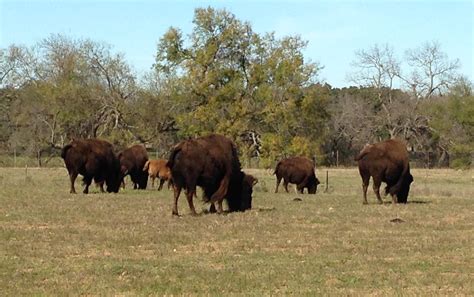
{"type": "Point", "coordinates": [55, 243]}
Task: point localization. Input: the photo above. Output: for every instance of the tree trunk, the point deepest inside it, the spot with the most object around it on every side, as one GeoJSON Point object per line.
{"type": "Point", "coordinates": [38, 157]}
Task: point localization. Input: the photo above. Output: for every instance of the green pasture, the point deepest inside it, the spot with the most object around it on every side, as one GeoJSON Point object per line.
{"type": "Point", "coordinates": [56, 243]}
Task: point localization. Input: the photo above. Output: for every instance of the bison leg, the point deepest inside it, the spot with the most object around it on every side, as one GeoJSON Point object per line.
{"type": "Point", "coordinates": [219, 207]}
{"type": "Point", "coordinates": [300, 188]}
{"type": "Point", "coordinates": [87, 183]}
{"type": "Point", "coordinates": [285, 185]}
{"type": "Point", "coordinates": [277, 183]}
{"type": "Point", "coordinates": [177, 191]}
{"type": "Point", "coordinates": [212, 208]}
{"type": "Point", "coordinates": [365, 185]}
{"type": "Point", "coordinates": [394, 199]}
{"type": "Point", "coordinates": [162, 181]}
{"type": "Point", "coordinates": [72, 178]}
{"type": "Point", "coordinates": [152, 181]}
{"type": "Point", "coordinates": [101, 186]}
{"type": "Point", "coordinates": [143, 182]}
{"type": "Point", "coordinates": [189, 196]}
{"type": "Point", "coordinates": [376, 187]}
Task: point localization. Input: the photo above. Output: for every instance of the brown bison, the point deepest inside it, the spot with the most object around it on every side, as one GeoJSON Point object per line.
{"type": "Point", "coordinates": [132, 161]}
{"type": "Point", "coordinates": [158, 169]}
{"type": "Point", "coordinates": [212, 163]}
{"type": "Point", "coordinates": [387, 162]}
{"type": "Point", "coordinates": [247, 189]}
{"type": "Point", "coordinates": [299, 171]}
{"type": "Point", "coordinates": [95, 160]}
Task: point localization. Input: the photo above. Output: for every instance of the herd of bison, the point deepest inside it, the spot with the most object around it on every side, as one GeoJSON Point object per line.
{"type": "Point", "coordinates": [211, 162]}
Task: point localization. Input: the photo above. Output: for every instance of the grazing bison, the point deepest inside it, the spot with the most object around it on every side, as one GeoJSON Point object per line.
{"type": "Point", "coordinates": [132, 161]}
{"type": "Point", "coordinates": [299, 171]}
{"type": "Point", "coordinates": [158, 168]}
{"type": "Point", "coordinates": [95, 160]}
{"type": "Point", "coordinates": [247, 189]}
{"type": "Point", "coordinates": [387, 162]}
{"type": "Point", "coordinates": [210, 162]}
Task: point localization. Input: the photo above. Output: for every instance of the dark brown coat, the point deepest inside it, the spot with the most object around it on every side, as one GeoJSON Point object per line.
{"type": "Point", "coordinates": [387, 162]}
{"type": "Point", "coordinates": [132, 161]}
{"type": "Point", "coordinates": [299, 171]}
{"type": "Point", "coordinates": [95, 160]}
{"type": "Point", "coordinates": [158, 169]}
{"type": "Point", "coordinates": [212, 163]}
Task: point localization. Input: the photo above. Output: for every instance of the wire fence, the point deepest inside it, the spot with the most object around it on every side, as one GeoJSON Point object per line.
{"type": "Point", "coordinates": [417, 160]}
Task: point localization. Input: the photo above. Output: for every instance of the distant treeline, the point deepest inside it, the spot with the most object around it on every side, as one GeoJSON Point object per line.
{"type": "Point", "coordinates": [225, 78]}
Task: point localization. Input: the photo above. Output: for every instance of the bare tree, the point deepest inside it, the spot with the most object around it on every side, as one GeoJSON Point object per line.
{"type": "Point", "coordinates": [377, 68]}
{"type": "Point", "coordinates": [17, 66]}
{"type": "Point", "coordinates": [432, 72]}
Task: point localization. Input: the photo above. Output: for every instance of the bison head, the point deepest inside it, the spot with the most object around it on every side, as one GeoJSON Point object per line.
{"type": "Point", "coordinates": [402, 195]}
{"type": "Point", "coordinates": [114, 178]}
{"type": "Point", "coordinates": [239, 196]}
{"type": "Point", "coordinates": [312, 184]}
{"type": "Point", "coordinates": [247, 189]}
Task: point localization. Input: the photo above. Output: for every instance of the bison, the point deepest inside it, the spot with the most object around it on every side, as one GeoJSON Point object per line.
{"type": "Point", "coordinates": [212, 163]}
{"type": "Point", "coordinates": [158, 168]}
{"type": "Point", "coordinates": [247, 189]}
{"type": "Point", "coordinates": [132, 161]}
{"type": "Point", "coordinates": [387, 162]}
{"type": "Point", "coordinates": [299, 171]}
{"type": "Point", "coordinates": [95, 160]}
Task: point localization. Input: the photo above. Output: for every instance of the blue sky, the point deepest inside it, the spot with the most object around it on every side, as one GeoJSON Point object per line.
{"type": "Point", "coordinates": [334, 29]}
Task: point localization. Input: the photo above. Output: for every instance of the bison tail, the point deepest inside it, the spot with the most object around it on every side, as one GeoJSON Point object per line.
{"type": "Point", "coordinates": [172, 156]}
{"type": "Point", "coordinates": [276, 168]}
{"type": "Point", "coordinates": [359, 156]}
{"type": "Point", "coordinates": [147, 164]}
{"type": "Point", "coordinates": [363, 152]}
{"type": "Point", "coordinates": [222, 190]}
{"type": "Point", "coordinates": [64, 150]}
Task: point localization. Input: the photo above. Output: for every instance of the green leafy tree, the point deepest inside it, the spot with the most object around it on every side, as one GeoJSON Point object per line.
{"type": "Point", "coordinates": [239, 83]}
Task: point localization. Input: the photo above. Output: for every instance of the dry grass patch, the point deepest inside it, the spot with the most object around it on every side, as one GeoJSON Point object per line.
{"type": "Point", "coordinates": [54, 243]}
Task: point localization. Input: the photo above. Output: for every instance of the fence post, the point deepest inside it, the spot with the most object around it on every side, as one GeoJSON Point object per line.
{"type": "Point", "coordinates": [327, 181]}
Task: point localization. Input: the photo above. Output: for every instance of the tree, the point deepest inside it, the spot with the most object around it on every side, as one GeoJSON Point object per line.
{"type": "Point", "coordinates": [433, 73]}
{"type": "Point", "coordinates": [377, 68]}
{"type": "Point", "coordinates": [451, 120]}
{"type": "Point", "coordinates": [239, 83]}
{"type": "Point", "coordinates": [16, 66]}
{"type": "Point", "coordinates": [75, 88]}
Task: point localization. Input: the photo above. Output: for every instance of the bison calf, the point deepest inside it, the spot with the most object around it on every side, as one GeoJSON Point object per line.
{"type": "Point", "coordinates": [158, 169]}
{"type": "Point", "coordinates": [299, 171]}
{"type": "Point", "coordinates": [387, 162]}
